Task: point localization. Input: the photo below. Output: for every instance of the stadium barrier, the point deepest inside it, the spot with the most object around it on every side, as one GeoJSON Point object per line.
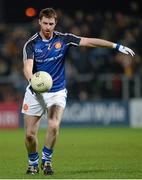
{"type": "Point", "coordinates": [97, 113]}
{"type": "Point", "coordinates": [9, 115]}
{"type": "Point", "coordinates": [101, 113]}
{"type": "Point", "coordinates": [136, 113]}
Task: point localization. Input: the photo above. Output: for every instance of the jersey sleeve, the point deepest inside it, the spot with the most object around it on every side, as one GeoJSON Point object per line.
{"type": "Point", "coordinates": [71, 39]}
{"type": "Point", "coordinates": [28, 52]}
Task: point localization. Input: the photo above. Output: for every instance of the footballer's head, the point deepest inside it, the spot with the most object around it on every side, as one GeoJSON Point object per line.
{"type": "Point", "coordinates": [48, 13]}
{"type": "Point", "coordinates": [47, 21]}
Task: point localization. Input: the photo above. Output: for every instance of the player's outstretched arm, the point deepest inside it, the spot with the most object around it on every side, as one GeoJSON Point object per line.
{"type": "Point", "coordinates": [94, 42]}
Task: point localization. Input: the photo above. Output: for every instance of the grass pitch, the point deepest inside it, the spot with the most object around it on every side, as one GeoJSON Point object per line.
{"type": "Point", "coordinates": [80, 153]}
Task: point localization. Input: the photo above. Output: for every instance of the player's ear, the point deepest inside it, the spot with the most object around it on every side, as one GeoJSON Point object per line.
{"type": "Point", "coordinates": [56, 22]}
{"type": "Point", "coordinates": [39, 21]}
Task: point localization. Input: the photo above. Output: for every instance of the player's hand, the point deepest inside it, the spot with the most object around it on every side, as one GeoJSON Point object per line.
{"type": "Point", "coordinates": [31, 89]}
{"type": "Point", "coordinates": [125, 50]}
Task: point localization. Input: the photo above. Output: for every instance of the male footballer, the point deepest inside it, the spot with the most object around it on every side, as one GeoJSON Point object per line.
{"type": "Point", "coordinates": [46, 51]}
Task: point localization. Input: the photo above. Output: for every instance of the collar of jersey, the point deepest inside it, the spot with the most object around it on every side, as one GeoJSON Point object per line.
{"type": "Point", "coordinates": [46, 40]}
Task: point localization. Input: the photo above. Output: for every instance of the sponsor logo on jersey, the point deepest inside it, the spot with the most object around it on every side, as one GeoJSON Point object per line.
{"type": "Point", "coordinates": [38, 50]}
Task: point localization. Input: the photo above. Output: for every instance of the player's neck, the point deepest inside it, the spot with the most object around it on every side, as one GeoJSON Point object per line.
{"type": "Point", "coordinates": [47, 37]}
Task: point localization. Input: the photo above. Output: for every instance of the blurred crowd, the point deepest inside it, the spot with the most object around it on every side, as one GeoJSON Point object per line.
{"type": "Point", "coordinates": [86, 68]}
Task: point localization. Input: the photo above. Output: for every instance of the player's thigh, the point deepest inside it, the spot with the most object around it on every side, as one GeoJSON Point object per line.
{"type": "Point", "coordinates": [31, 124]}
{"type": "Point", "coordinates": [55, 113]}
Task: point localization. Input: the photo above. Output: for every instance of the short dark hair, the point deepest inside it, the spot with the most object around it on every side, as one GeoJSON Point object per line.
{"type": "Point", "coordinates": [49, 13]}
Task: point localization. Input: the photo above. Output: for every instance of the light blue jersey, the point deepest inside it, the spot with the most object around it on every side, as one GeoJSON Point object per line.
{"type": "Point", "coordinates": [49, 55]}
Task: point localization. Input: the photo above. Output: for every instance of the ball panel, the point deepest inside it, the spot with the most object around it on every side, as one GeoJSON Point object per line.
{"type": "Point", "coordinates": [41, 81]}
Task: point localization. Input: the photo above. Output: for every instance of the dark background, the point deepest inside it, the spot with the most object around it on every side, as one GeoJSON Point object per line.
{"type": "Point", "coordinates": [14, 10]}
{"type": "Point", "coordinates": [95, 73]}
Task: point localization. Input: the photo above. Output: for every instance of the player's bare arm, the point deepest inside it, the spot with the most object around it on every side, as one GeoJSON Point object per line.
{"type": "Point", "coordinates": [27, 69]}
{"type": "Point", "coordinates": [95, 42]}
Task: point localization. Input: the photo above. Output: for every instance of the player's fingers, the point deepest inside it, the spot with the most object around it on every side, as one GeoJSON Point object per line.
{"type": "Point", "coordinates": [130, 51]}
{"type": "Point", "coordinates": [125, 52]}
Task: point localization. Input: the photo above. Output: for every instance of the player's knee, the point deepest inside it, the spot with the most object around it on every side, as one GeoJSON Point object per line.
{"type": "Point", "coordinates": [53, 125]}
{"type": "Point", "coordinates": [30, 136]}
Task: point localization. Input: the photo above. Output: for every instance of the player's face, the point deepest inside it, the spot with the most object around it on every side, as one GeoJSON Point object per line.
{"type": "Point", "coordinates": [47, 26]}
